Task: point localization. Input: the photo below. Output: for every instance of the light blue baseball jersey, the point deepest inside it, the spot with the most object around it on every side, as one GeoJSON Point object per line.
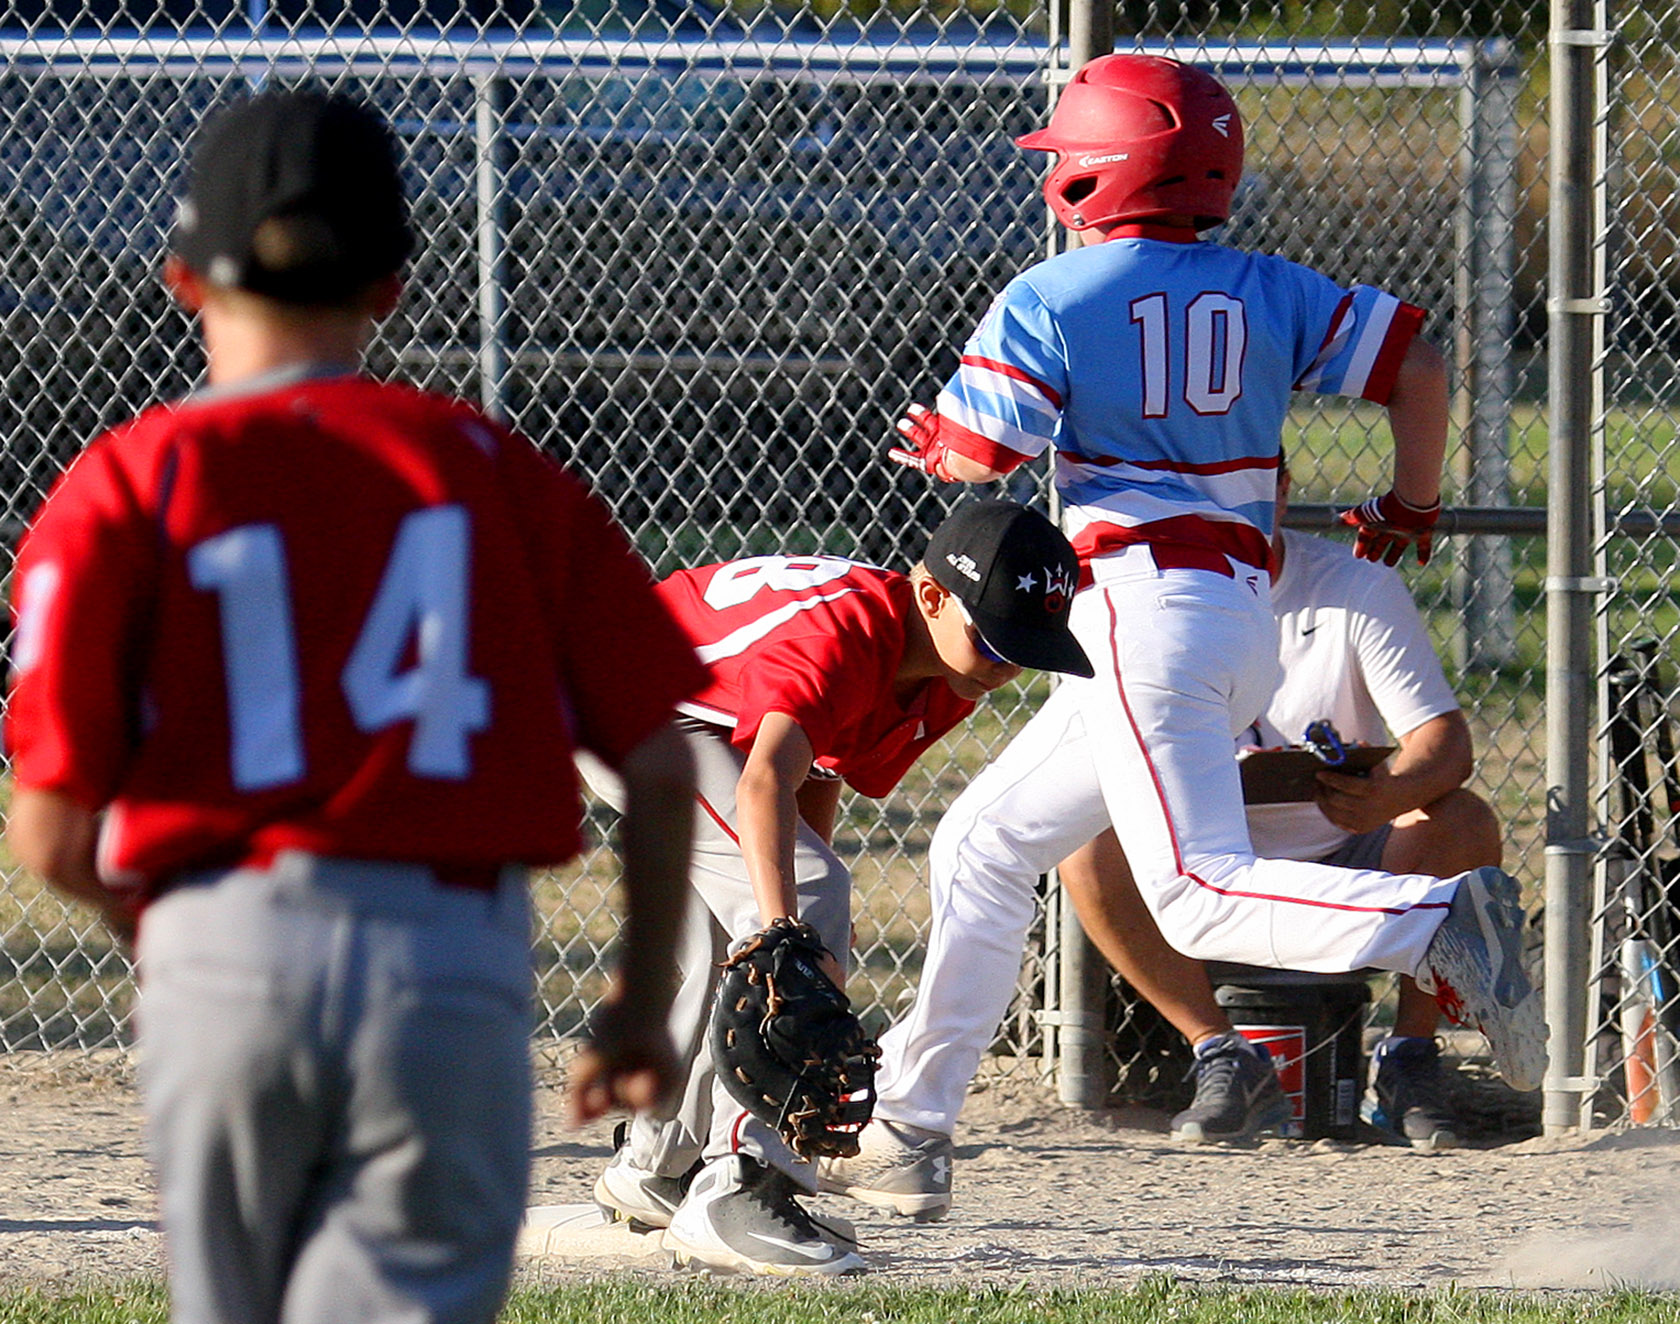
{"type": "Point", "coordinates": [1161, 372]}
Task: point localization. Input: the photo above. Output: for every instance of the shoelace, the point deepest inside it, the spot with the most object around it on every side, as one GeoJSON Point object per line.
{"type": "Point", "coordinates": [1216, 1071]}
{"type": "Point", "coordinates": [777, 1192]}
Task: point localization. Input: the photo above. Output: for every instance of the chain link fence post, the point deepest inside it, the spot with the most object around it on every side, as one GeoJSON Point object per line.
{"type": "Point", "coordinates": [490, 97]}
{"type": "Point", "coordinates": [1084, 1074]}
{"type": "Point", "coordinates": [1483, 579]}
{"type": "Point", "coordinates": [1575, 313]}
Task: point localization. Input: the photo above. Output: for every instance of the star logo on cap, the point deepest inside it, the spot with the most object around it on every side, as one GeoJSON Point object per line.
{"type": "Point", "coordinates": [1025, 583]}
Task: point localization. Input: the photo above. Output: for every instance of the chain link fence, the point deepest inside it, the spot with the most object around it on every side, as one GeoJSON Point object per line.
{"type": "Point", "coordinates": [706, 256]}
{"type": "Point", "coordinates": [1633, 1060]}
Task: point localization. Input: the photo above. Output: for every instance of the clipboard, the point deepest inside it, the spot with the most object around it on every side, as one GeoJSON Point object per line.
{"type": "Point", "coordinates": [1289, 774]}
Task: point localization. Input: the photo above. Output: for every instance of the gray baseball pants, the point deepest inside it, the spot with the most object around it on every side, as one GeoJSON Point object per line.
{"type": "Point", "coordinates": [334, 1066]}
{"type": "Point", "coordinates": [721, 910]}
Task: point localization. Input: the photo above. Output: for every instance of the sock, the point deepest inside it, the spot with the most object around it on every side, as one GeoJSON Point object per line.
{"type": "Point", "coordinates": [1227, 1039]}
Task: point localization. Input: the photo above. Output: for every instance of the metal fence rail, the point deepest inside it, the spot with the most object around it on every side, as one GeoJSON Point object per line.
{"type": "Point", "coordinates": [707, 258]}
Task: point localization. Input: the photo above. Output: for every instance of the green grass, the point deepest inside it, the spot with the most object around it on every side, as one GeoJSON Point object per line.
{"type": "Point", "coordinates": [1155, 1299]}
{"type": "Point", "coordinates": [139, 1302]}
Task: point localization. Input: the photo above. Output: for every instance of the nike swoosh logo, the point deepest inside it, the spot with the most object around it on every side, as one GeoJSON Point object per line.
{"type": "Point", "coordinates": [826, 1253]}
{"type": "Point", "coordinates": [1307, 629]}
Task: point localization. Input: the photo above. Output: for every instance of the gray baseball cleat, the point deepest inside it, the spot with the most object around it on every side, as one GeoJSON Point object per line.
{"type": "Point", "coordinates": [1237, 1093]}
{"type": "Point", "coordinates": [741, 1217]}
{"type": "Point", "coordinates": [1474, 968]}
{"type": "Point", "coordinates": [898, 1167]}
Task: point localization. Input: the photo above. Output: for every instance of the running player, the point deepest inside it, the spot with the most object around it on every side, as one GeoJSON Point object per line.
{"type": "Point", "coordinates": [1159, 369]}
{"type": "Point", "coordinates": [305, 656]}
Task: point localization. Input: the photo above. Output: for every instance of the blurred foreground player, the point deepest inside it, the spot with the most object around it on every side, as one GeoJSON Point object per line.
{"type": "Point", "coordinates": [300, 664]}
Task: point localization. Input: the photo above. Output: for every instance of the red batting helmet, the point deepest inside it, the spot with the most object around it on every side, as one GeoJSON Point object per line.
{"type": "Point", "coordinates": [1139, 136]}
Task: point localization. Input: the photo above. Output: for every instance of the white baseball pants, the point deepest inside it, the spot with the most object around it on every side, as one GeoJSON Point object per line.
{"type": "Point", "coordinates": [1184, 659]}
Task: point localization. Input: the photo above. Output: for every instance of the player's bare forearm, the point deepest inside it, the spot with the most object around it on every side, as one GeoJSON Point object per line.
{"type": "Point", "coordinates": [767, 811]}
{"type": "Point", "coordinates": [55, 837]}
{"type": "Point", "coordinates": [1404, 517]}
{"type": "Point", "coordinates": [1417, 416]}
{"type": "Point", "coordinates": [628, 1061]}
{"type": "Point", "coordinates": [819, 805]}
{"type": "Point", "coordinates": [964, 470]}
{"type": "Point", "coordinates": [924, 446]}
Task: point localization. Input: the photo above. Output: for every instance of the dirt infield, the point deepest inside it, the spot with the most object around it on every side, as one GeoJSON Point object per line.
{"type": "Point", "coordinates": [1043, 1194]}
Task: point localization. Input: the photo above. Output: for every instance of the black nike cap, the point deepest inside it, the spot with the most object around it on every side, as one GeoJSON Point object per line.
{"type": "Point", "coordinates": [1015, 574]}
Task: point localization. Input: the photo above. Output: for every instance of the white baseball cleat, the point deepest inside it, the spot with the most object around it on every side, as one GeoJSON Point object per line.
{"type": "Point", "coordinates": [898, 1167]}
{"type": "Point", "coordinates": [630, 1194]}
{"type": "Point", "coordinates": [741, 1217]}
{"type": "Point", "coordinates": [1474, 968]}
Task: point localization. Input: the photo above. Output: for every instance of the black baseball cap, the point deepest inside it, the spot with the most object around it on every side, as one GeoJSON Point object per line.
{"type": "Point", "coordinates": [1015, 575]}
{"type": "Point", "coordinates": [296, 195]}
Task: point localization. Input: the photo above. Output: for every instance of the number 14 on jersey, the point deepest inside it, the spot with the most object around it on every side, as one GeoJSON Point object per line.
{"type": "Point", "coordinates": [422, 601]}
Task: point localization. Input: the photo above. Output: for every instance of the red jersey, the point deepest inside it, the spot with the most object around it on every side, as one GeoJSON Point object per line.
{"type": "Point", "coordinates": [333, 615]}
{"type": "Point", "coordinates": [819, 639]}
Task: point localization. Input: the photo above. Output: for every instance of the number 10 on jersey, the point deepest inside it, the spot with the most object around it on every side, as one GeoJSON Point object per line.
{"type": "Point", "coordinates": [1214, 336]}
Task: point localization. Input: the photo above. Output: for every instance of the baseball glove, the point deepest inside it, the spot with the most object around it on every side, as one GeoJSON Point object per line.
{"type": "Point", "coordinates": [787, 1045]}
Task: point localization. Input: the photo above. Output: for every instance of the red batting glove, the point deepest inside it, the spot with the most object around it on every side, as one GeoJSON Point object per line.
{"type": "Point", "coordinates": [925, 451]}
{"type": "Point", "coordinates": [1388, 525]}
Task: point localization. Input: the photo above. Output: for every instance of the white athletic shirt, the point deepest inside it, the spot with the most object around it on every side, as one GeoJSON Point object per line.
{"type": "Point", "coordinates": [1353, 648]}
